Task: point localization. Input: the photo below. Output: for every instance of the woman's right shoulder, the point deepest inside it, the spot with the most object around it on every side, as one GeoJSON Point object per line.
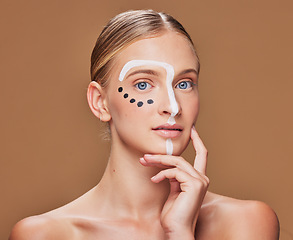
{"type": "Point", "coordinates": [42, 227]}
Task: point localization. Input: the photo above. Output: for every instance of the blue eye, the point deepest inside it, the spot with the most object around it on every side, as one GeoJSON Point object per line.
{"type": "Point", "coordinates": [184, 85]}
{"type": "Point", "coordinates": [142, 85]}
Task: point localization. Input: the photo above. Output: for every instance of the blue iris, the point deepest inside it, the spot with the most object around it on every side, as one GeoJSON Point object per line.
{"type": "Point", "coordinates": [142, 85]}
{"type": "Point", "coordinates": [184, 85]}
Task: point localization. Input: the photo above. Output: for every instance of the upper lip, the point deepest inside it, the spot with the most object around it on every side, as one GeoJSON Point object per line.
{"type": "Point", "coordinates": [175, 127]}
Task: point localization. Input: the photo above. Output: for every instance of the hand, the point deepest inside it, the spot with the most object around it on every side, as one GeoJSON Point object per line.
{"type": "Point", "coordinates": [188, 186]}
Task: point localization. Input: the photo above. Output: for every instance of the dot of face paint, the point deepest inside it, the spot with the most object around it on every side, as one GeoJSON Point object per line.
{"type": "Point", "coordinates": [140, 103]}
{"type": "Point", "coordinates": [132, 100]}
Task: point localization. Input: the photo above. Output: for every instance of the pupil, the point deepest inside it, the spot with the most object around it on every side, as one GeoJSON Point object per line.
{"type": "Point", "coordinates": [183, 85]}
{"type": "Point", "coordinates": [142, 86]}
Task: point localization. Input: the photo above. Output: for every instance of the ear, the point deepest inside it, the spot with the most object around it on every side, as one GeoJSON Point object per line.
{"type": "Point", "coordinates": [97, 102]}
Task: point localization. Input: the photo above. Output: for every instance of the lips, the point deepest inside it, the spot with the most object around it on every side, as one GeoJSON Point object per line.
{"type": "Point", "coordinates": [168, 131]}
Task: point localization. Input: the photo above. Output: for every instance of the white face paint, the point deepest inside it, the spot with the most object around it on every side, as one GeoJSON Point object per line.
{"type": "Point", "coordinates": [169, 79]}
{"type": "Point", "coordinates": [169, 146]}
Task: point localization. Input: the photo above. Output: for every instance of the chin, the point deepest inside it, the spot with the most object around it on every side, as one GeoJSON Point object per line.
{"type": "Point", "coordinates": [178, 149]}
{"type": "Point", "coordinates": [161, 149]}
{"type": "Point", "coordinates": [177, 152]}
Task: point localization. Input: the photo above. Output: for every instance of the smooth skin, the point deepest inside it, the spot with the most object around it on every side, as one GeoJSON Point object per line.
{"type": "Point", "coordinates": [144, 193]}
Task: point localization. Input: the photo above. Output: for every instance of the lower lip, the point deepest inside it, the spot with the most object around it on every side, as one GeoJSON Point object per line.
{"type": "Point", "coordinates": [168, 133]}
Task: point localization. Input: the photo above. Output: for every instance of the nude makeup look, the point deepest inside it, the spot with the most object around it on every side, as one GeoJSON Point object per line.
{"type": "Point", "coordinates": [153, 94]}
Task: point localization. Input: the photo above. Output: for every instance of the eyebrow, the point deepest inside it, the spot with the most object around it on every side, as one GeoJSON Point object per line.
{"type": "Point", "coordinates": [145, 71]}
{"type": "Point", "coordinates": [190, 70]}
{"type": "Point", "coordinates": [154, 73]}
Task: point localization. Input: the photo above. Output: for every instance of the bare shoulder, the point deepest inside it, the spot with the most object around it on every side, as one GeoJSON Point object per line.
{"type": "Point", "coordinates": [72, 221]}
{"type": "Point", "coordinates": [42, 227]}
{"type": "Point", "coordinates": [252, 220]}
{"type": "Point", "coordinates": [240, 219]}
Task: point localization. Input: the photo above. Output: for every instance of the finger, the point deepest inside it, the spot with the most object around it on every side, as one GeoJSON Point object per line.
{"type": "Point", "coordinates": [174, 186]}
{"type": "Point", "coordinates": [200, 162]}
{"type": "Point", "coordinates": [146, 162]}
{"type": "Point", "coordinates": [172, 173]}
{"type": "Point", "coordinates": [167, 161]}
{"type": "Point", "coordinates": [185, 179]}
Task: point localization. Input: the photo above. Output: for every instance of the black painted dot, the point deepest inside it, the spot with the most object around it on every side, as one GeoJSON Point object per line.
{"type": "Point", "coordinates": [139, 104]}
{"type": "Point", "coordinates": [132, 100]}
{"type": "Point", "coordinates": [120, 89]}
{"type": "Point", "coordinates": [150, 101]}
{"type": "Point", "coordinates": [125, 95]}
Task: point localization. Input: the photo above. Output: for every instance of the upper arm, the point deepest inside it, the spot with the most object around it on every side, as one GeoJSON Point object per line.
{"type": "Point", "coordinates": [39, 228]}
{"type": "Point", "coordinates": [256, 221]}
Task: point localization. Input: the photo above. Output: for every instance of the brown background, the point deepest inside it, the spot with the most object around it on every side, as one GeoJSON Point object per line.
{"type": "Point", "coordinates": [51, 145]}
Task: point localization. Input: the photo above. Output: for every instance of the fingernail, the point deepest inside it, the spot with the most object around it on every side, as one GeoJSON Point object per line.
{"type": "Point", "coordinates": [153, 178]}
{"type": "Point", "coordinates": [143, 161]}
{"type": "Point", "coordinates": [148, 155]}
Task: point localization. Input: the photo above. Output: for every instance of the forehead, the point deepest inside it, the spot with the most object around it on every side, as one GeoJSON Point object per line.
{"type": "Point", "coordinates": [170, 48]}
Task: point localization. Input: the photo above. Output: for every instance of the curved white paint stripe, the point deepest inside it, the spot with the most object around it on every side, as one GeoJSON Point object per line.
{"type": "Point", "coordinates": [169, 79]}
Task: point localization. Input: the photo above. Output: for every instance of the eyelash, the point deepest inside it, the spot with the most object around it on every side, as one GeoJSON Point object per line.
{"type": "Point", "coordinates": [148, 85]}
{"type": "Point", "coordinates": [191, 84]}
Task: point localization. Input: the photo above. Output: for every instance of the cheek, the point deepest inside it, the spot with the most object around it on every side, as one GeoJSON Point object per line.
{"type": "Point", "coordinates": [126, 106]}
{"type": "Point", "coordinates": [196, 109]}
{"type": "Point", "coordinates": [134, 99]}
{"type": "Point", "coordinates": [191, 107]}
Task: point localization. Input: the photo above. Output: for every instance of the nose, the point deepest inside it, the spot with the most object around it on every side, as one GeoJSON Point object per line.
{"type": "Point", "coordinates": [168, 105]}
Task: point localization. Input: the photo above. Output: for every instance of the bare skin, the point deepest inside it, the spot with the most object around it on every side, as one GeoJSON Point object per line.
{"type": "Point", "coordinates": [220, 218]}
{"type": "Point", "coordinates": [144, 193]}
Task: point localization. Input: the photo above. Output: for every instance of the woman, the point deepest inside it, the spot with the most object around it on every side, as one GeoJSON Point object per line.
{"type": "Point", "coordinates": [144, 85]}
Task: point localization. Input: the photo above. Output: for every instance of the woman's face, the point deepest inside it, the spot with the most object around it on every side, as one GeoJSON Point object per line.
{"type": "Point", "coordinates": [152, 95]}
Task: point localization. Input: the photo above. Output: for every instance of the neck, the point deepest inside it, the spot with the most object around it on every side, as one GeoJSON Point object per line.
{"type": "Point", "coordinates": [127, 188]}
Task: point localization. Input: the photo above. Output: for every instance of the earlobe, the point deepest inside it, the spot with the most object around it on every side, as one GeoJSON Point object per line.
{"type": "Point", "coordinates": [97, 102]}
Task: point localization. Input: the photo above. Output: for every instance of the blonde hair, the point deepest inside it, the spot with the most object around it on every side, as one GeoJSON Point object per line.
{"type": "Point", "coordinates": [123, 30]}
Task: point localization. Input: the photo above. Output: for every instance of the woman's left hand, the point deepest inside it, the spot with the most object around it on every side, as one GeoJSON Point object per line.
{"type": "Point", "coordinates": [188, 186]}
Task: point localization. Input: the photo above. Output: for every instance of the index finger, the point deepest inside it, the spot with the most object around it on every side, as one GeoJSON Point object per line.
{"type": "Point", "coordinates": [200, 162]}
